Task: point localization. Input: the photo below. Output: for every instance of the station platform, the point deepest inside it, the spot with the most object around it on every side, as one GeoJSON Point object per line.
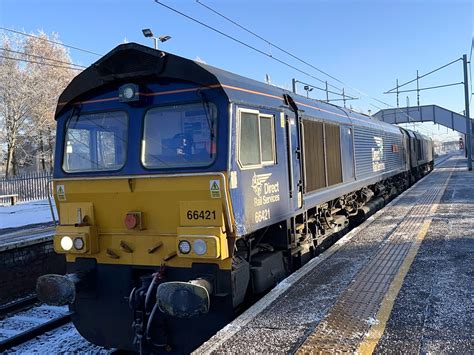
{"type": "Point", "coordinates": [401, 282]}
{"type": "Point", "coordinates": [19, 237]}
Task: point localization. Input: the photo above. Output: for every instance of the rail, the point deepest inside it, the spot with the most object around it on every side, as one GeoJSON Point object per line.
{"type": "Point", "coordinates": [32, 333]}
{"type": "Point", "coordinates": [442, 159]}
{"type": "Point", "coordinates": [17, 306]}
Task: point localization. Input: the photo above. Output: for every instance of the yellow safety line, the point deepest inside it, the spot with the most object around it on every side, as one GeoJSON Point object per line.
{"type": "Point", "coordinates": [377, 330]}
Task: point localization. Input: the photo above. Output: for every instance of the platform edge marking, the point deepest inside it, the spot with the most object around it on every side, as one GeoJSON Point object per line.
{"type": "Point", "coordinates": [375, 333]}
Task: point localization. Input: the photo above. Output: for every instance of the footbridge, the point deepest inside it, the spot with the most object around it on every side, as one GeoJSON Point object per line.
{"type": "Point", "coordinates": [426, 113]}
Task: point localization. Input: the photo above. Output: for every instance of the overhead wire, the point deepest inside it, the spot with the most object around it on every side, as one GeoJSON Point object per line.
{"type": "Point", "coordinates": [42, 57]}
{"type": "Point", "coordinates": [422, 76]}
{"type": "Point", "coordinates": [40, 63]}
{"type": "Point", "coordinates": [271, 44]}
{"type": "Point", "coordinates": [239, 41]}
{"type": "Point", "coordinates": [325, 90]}
{"type": "Point", "coordinates": [50, 41]}
{"type": "Point", "coordinates": [270, 56]}
{"type": "Point", "coordinates": [288, 53]}
{"type": "Point", "coordinates": [284, 51]}
{"type": "Point", "coordinates": [215, 30]}
{"type": "Point", "coordinates": [427, 88]}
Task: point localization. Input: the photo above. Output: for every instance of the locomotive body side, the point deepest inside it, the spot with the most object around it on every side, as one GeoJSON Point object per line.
{"type": "Point", "coordinates": [183, 190]}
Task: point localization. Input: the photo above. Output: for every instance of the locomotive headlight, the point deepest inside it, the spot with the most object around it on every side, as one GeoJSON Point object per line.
{"type": "Point", "coordinates": [78, 243]}
{"type": "Point", "coordinates": [66, 243]}
{"type": "Point", "coordinates": [128, 92]}
{"type": "Point", "coordinates": [200, 247]}
{"type": "Point", "coordinates": [184, 247]}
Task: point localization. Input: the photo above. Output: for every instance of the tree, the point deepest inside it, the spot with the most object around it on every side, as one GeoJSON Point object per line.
{"type": "Point", "coordinates": [14, 99]}
{"type": "Point", "coordinates": [48, 79]}
{"type": "Point", "coordinates": [33, 73]}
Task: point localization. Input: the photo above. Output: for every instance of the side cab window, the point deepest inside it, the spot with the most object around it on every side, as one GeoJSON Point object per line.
{"type": "Point", "coordinates": [256, 139]}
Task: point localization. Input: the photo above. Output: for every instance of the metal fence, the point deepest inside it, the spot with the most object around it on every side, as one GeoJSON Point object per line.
{"type": "Point", "coordinates": [28, 187]}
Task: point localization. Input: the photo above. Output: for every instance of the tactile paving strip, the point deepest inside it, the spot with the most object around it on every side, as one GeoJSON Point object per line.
{"type": "Point", "coordinates": [346, 324]}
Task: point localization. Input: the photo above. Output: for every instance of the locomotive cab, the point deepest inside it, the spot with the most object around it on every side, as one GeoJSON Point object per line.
{"type": "Point", "coordinates": [144, 214]}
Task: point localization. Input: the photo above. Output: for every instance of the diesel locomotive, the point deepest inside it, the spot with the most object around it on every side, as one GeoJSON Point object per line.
{"type": "Point", "coordinates": [183, 190]}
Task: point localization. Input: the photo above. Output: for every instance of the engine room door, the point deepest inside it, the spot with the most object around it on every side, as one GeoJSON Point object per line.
{"type": "Point", "coordinates": [293, 130]}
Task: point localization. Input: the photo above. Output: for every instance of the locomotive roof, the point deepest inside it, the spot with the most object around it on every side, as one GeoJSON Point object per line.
{"type": "Point", "coordinates": [132, 61]}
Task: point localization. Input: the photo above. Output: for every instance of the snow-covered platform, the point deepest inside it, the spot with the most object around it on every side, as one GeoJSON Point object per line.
{"type": "Point", "coordinates": [25, 224]}
{"type": "Point", "coordinates": [24, 237]}
{"type": "Point", "coordinates": [401, 282]}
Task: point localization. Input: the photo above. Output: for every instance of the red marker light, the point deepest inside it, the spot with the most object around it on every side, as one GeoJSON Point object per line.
{"type": "Point", "coordinates": [131, 220]}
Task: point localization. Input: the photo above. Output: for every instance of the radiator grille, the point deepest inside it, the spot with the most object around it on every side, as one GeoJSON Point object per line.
{"type": "Point", "coordinates": [333, 153]}
{"type": "Point", "coordinates": [314, 155]}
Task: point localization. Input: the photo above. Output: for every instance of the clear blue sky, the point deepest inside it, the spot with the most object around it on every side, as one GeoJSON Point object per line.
{"type": "Point", "coordinates": [366, 44]}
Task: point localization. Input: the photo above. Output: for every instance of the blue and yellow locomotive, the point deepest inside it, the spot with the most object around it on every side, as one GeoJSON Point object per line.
{"type": "Point", "coordinates": [183, 189]}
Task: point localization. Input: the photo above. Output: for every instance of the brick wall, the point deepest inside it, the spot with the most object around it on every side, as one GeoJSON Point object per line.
{"type": "Point", "coordinates": [20, 267]}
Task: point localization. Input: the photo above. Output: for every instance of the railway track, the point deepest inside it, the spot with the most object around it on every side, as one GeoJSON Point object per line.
{"type": "Point", "coordinates": [17, 321]}
{"type": "Point", "coordinates": [442, 158]}
{"type": "Point", "coordinates": [17, 306]}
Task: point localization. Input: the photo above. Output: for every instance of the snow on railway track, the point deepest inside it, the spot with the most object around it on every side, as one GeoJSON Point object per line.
{"type": "Point", "coordinates": [24, 320]}
{"type": "Point", "coordinates": [26, 326]}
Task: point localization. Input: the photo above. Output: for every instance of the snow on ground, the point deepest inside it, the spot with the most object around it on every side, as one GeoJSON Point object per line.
{"type": "Point", "coordinates": [65, 339]}
{"type": "Point", "coordinates": [21, 214]}
{"type": "Point", "coordinates": [59, 341]}
{"type": "Point", "coordinates": [24, 320]}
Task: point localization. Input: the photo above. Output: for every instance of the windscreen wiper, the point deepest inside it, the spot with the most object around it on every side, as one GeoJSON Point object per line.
{"type": "Point", "coordinates": [210, 122]}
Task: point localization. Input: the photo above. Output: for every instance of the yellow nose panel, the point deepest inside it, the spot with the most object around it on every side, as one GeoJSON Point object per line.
{"type": "Point", "coordinates": [71, 213]}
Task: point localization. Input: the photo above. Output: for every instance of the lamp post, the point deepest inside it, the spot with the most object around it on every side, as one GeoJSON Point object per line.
{"type": "Point", "coordinates": [149, 34]}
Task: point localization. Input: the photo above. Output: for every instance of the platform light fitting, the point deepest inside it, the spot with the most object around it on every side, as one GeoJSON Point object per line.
{"type": "Point", "coordinates": [164, 38]}
{"type": "Point", "coordinates": [147, 32]}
